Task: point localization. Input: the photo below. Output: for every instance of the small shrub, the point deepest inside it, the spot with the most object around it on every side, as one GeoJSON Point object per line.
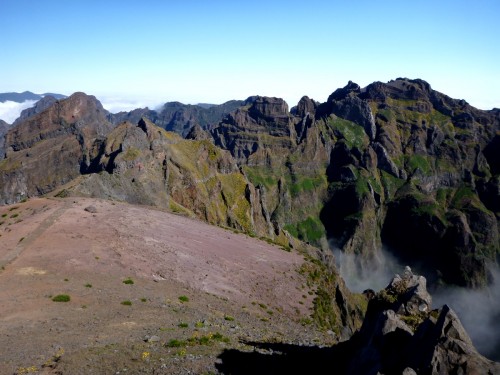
{"type": "Point", "coordinates": [61, 298]}
{"type": "Point", "coordinates": [4, 215]}
{"type": "Point", "coordinates": [27, 370]}
{"type": "Point", "coordinates": [204, 340]}
{"type": "Point", "coordinates": [229, 318]}
{"type": "Point", "coordinates": [126, 303]}
{"type": "Point", "coordinates": [128, 281]}
{"type": "Point", "coordinates": [174, 343]}
{"type": "Point", "coordinates": [199, 324]}
{"type": "Point", "coordinates": [66, 279]}
{"type": "Point", "coordinates": [219, 337]}
{"type": "Point", "coordinates": [306, 321]}
{"type": "Point", "coordinates": [21, 239]}
{"type": "Point", "coordinates": [88, 285]}
{"type": "Point", "coordinates": [14, 216]}
{"type": "Point", "coordinates": [183, 325]}
{"type": "Point", "coordinates": [143, 299]}
{"type": "Point", "coordinates": [184, 299]}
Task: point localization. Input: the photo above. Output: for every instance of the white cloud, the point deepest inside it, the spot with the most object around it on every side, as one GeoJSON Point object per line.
{"type": "Point", "coordinates": [115, 105]}
{"type": "Point", "coordinates": [10, 111]}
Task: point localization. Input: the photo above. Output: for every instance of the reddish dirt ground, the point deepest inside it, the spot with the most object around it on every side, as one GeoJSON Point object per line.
{"type": "Point", "coordinates": [237, 286]}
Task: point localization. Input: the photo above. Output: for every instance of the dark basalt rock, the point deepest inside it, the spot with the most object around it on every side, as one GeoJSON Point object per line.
{"type": "Point", "coordinates": [401, 334]}
{"type": "Point", "coordinates": [197, 133]}
{"type": "Point", "coordinates": [351, 89]}
{"type": "Point", "coordinates": [4, 127]}
{"type": "Point", "coordinates": [305, 107]}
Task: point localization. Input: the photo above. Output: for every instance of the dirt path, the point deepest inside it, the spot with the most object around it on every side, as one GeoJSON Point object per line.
{"type": "Point", "coordinates": [32, 236]}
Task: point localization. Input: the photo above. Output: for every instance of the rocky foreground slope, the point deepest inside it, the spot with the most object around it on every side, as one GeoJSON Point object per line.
{"type": "Point", "coordinates": [152, 292]}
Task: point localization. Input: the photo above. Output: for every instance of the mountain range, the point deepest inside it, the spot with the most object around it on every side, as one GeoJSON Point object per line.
{"type": "Point", "coordinates": [393, 165]}
{"type": "Point", "coordinates": [26, 95]}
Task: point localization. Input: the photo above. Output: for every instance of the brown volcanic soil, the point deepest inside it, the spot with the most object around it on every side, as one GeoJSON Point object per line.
{"type": "Point", "coordinates": [240, 287]}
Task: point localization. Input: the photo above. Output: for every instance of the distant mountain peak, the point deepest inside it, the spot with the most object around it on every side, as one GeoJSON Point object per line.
{"type": "Point", "coordinates": [26, 95]}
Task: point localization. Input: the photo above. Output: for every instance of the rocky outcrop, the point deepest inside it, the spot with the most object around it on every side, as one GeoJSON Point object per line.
{"type": "Point", "coordinates": [305, 110]}
{"type": "Point", "coordinates": [51, 148]}
{"type": "Point", "coordinates": [402, 334]}
{"type": "Point", "coordinates": [263, 124]}
{"type": "Point", "coordinates": [197, 133]}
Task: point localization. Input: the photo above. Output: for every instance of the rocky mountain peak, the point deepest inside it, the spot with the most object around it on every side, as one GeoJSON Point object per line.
{"type": "Point", "coordinates": [400, 89]}
{"type": "Point", "coordinates": [305, 106]}
{"type": "Point", "coordinates": [349, 90]}
{"type": "Point", "coordinates": [52, 147]}
{"type": "Point", "coordinates": [268, 107]}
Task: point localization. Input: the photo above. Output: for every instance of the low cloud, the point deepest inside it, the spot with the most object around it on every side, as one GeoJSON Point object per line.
{"type": "Point", "coordinates": [115, 105]}
{"type": "Point", "coordinates": [361, 274]}
{"type": "Point", "coordinates": [10, 111]}
{"type": "Point", "coordinates": [479, 312]}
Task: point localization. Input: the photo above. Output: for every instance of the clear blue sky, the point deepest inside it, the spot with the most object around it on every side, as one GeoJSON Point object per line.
{"type": "Point", "coordinates": [213, 51]}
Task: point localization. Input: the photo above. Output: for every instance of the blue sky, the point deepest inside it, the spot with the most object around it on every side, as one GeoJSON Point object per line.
{"type": "Point", "coordinates": [150, 52]}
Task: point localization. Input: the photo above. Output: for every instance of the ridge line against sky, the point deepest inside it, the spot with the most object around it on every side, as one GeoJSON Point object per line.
{"type": "Point", "coordinates": [147, 53]}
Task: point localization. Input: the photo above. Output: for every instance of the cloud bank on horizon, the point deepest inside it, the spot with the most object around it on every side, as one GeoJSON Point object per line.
{"type": "Point", "coordinates": [10, 111]}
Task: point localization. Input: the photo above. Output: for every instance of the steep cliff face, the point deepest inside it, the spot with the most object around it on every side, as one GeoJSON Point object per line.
{"type": "Point", "coordinates": [4, 127]}
{"type": "Point", "coordinates": [423, 172]}
{"type": "Point", "coordinates": [50, 148]}
{"type": "Point", "coordinates": [395, 164]}
{"type": "Point", "coordinates": [285, 158]}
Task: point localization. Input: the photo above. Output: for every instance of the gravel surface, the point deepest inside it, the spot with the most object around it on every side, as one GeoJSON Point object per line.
{"type": "Point", "coordinates": [206, 287]}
